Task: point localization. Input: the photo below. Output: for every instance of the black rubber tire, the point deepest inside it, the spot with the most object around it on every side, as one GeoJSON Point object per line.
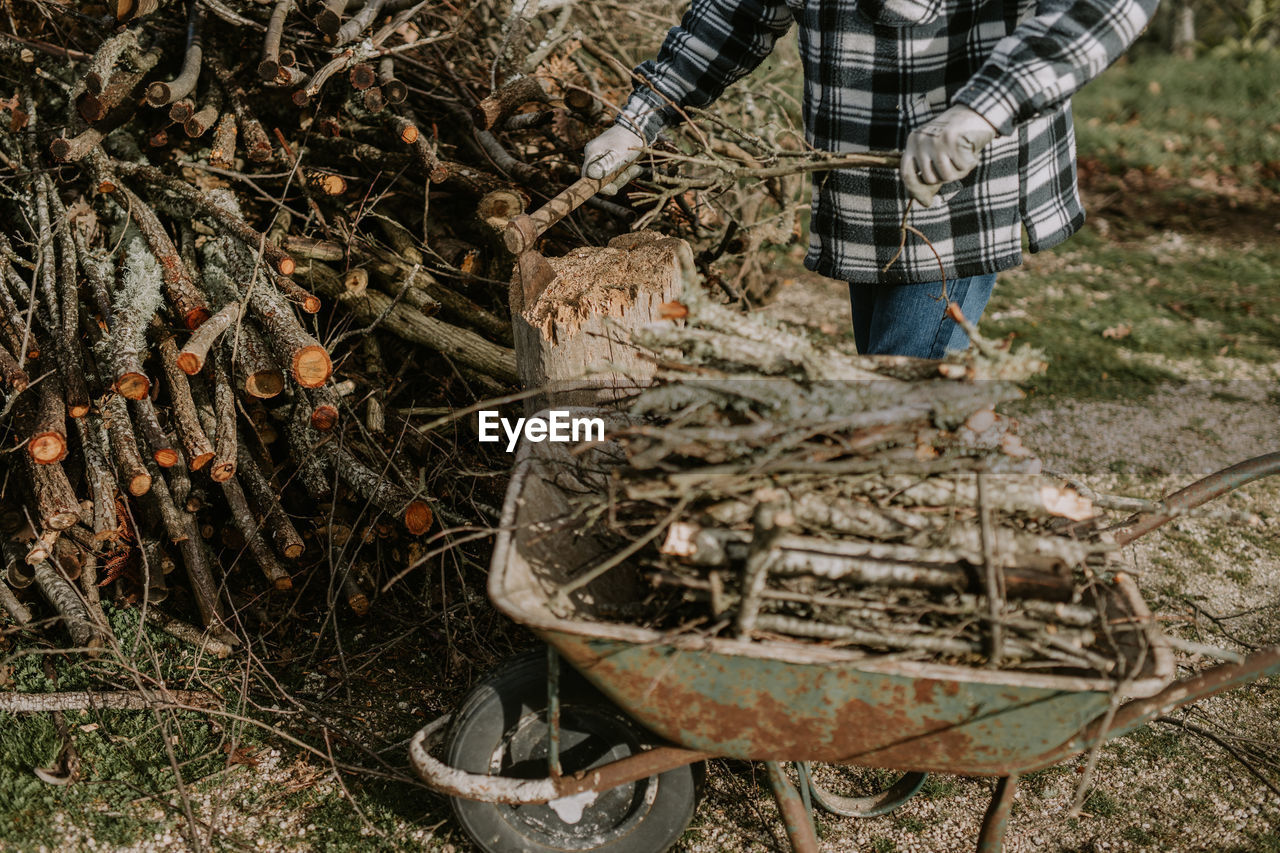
{"type": "Point", "coordinates": [501, 729]}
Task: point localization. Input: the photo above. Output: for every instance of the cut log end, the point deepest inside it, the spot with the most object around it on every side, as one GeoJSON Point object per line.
{"type": "Point", "coordinates": [284, 583]}
{"type": "Point", "coordinates": [311, 366]}
{"type": "Point", "coordinates": [324, 417]}
{"type": "Point", "coordinates": [189, 362]}
{"type": "Point", "coordinates": [62, 519]}
{"type": "Point", "coordinates": [328, 184]}
{"type": "Point", "coordinates": [159, 94]}
{"type": "Point", "coordinates": [293, 550]}
{"type": "Point", "coordinates": [195, 318]}
{"type": "Point", "coordinates": [47, 447]}
{"type": "Point", "coordinates": [408, 133]}
{"type": "Point", "coordinates": [139, 484]}
{"type": "Point", "coordinates": [285, 265]}
{"type": "Point", "coordinates": [356, 282]}
{"type": "Point", "coordinates": [79, 410]}
{"type": "Point", "coordinates": [578, 100]}
{"type": "Point", "coordinates": [180, 111]}
{"type": "Point", "coordinates": [222, 471]}
{"type": "Point", "coordinates": [268, 69]}
{"type": "Point", "coordinates": [396, 92]}
{"type": "Point", "coordinates": [197, 462]}
{"type": "Point", "coordinates": [362, 76]}
{"type": "Point", "coordinates": [166, 457]}
{"type": "Point", "coordinates": [133, 386]}
{"type": "Point", "coordinates": [359, 603]}
{"type": "Point", "coordinates": [312, 304]}
{"type": "Point", "coordinates": [60, 149]}
{"type": "Point", "coordinates": [328, 22]}
{"type": "Point", "coordinates": [264, 384]}
{"type": "Point", "coordinates": [418, 517]}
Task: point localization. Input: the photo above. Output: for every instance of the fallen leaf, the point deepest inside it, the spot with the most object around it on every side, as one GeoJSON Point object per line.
{"type": "Point", "coordinates": [242, 755]}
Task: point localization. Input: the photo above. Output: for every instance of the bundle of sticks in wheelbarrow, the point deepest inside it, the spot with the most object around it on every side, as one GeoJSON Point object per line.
{"type": "Point", "coordinates": [772, 489]}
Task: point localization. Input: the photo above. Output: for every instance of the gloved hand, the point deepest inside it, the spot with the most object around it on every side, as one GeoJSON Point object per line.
{"type": "Point", "coordinates": [944, 149]}
{"type": "Point", "coordinates": [609, 152]}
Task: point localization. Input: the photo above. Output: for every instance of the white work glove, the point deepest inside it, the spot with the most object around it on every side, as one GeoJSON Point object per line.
{"type": "Point", "coordinates": [943, 150]}
{"type": "Point", "coordinates": [609, 152]}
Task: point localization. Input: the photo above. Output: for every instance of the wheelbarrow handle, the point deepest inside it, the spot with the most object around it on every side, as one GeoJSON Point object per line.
{"type": "Point", "coordinates": [1199, 492]}
{"type": "Point", "coordinates": [1138, 712]}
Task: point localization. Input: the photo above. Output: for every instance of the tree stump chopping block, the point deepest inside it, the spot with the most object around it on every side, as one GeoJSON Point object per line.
{"type": "Point", "coordinates": [573, 342]}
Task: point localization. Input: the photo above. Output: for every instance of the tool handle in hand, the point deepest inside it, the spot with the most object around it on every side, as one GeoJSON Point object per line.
{"type": "Point", "coordinates": [523, 230]}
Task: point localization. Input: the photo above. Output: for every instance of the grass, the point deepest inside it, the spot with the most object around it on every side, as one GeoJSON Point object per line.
{"type": "Point", "coordinates": [1125, 304]}
{"type": "Point", "coordinates": [122, 753]}
{"type": "Point", "coordinates": [241, 777]}
{"type": "Point", "coordinates": [1101, 804]}
{"type": "Point", "coordinates": [1115, 319]}
{"type": "Point", "coordinates": [1174, 117]}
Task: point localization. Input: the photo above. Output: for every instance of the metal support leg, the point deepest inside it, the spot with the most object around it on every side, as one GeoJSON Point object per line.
{"type": "Point", "coordinates": [991, 839]}
{"type": "Point", "coordinates": [553, 712]}
{"type": "Point", "coordinates": [800, 830]}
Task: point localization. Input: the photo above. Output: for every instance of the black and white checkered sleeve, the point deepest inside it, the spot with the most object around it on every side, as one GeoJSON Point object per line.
{"type": "Point", "coordinates": [1051, 55]}
{"type": "Point", "coordinates": [716, 43]}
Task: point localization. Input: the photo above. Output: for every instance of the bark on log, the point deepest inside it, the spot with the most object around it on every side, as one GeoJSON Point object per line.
{"type": "Point", "coordinates": [186, 422]}
{"type": "Point", "coordinates": [115, 700]}
{"type": "Point", "coordinates": [223, 466]}
{"type": "Point", "coordinates": [219, 647]}
{"type": "Point", "coordinates": [467, 347]}
{"type": "Point", "coordinates": [101, 480]}
{"type": "Point", "coordinates": [194, 352]}
{"type": "Point", "coordinates": [263, 496]}
{"type": "Point", "coordinates": [17, 611]}
{"type": "Point", "coordinates": [158, 442]}
{"type": "Point", "coordinates": [75, 616]}
{"type": "Point", "coordinates": [378, 489]}
{"type": "Point", "coordinates": [180, 289]}
{"type": "Point", "coordinates": [130, 468]}
{"type": "Point", "coordinates": [257, 143]}
{"type": "Point", "coordinates": [48, 436]}
{"type": "Point", "coordinates": [56, 503]}
{"type": "Point", "coordinates": [262, 553]}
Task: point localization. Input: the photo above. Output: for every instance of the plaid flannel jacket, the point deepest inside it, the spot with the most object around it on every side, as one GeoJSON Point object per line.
{"type": "Point", "coordinates": [875, 70]}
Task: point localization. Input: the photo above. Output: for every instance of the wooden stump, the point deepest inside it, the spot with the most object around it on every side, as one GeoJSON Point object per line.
{"type": "Point", "coordinates": [572, 342]}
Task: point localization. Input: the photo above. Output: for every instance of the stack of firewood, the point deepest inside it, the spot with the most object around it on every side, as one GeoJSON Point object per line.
{"type": "Point", "coordinates": [777, 489]}
{"type": "Point", "coordinates": [232, 232]}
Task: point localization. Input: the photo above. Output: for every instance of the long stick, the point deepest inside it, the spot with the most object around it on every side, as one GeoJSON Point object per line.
{"type": "Point", "coordinates": [195, 444]}
{"type": "Point", "coordinates": [115, 700]}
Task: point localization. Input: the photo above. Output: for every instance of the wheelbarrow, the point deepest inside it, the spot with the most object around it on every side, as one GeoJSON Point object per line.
{"type": "Point", "coordinates": [605, 755]}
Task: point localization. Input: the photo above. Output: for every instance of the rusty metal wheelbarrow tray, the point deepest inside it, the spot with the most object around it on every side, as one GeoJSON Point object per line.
{"type": "Point", "coordinates": [802, 702]}
{"type": "Point", "coordinates": [764, 700]}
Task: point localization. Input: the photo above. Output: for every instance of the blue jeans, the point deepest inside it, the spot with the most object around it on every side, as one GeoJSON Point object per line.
{"type": "Point", "coordinates": [910, 319]}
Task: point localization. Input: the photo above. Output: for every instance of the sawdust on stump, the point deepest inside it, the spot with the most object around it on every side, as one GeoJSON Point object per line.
{"type": "Point", "coordinates": [594, 281]}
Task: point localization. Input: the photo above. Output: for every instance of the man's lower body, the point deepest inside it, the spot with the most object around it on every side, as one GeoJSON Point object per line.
{"type": "Point", "coordinates": [911, 319]}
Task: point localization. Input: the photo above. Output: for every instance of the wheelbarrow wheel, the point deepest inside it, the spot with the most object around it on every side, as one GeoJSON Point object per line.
{"type": "Point", "coordinates": [501, 729]}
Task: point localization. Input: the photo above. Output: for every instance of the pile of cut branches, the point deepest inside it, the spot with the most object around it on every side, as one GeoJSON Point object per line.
{"type": "Point", "coordinates": [244, 244]}
{"type": "Point", "coordinates": [776, 489]}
